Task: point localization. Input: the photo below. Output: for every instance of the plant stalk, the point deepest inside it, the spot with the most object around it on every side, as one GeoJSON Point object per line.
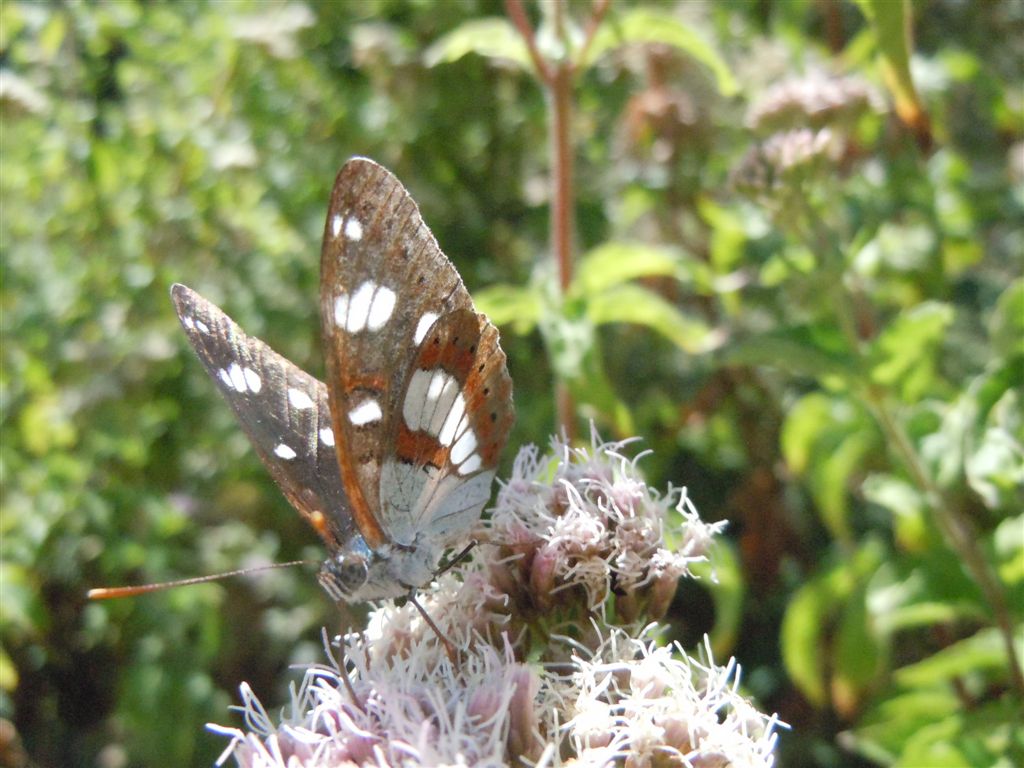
{"type": "Point", "coordinates": [557, 79]}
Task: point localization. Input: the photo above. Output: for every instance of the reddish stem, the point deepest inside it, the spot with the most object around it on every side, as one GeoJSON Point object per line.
{"type": "Point", "coordinates": [517, 15]}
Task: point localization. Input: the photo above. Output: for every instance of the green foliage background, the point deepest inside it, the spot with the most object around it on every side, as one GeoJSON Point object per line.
{"type": "Point", "coordinates": [148, 143]}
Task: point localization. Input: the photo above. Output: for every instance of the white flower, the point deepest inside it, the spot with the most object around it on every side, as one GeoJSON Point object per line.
{"type": "Point", "coordinates": [541, 673]}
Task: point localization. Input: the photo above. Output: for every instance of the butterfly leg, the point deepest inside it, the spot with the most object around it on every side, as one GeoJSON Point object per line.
{"type": "Point", "coordinates": [449, 646]}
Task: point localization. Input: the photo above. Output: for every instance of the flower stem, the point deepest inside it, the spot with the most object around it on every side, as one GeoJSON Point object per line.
{"type": "Point", "coordinates": [557, 79]}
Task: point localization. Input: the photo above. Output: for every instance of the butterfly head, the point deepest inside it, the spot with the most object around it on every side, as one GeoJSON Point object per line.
{"type": "Point", "coordinates": [355, 572]}
{"type": "Point", "coordinates": [343, 575]}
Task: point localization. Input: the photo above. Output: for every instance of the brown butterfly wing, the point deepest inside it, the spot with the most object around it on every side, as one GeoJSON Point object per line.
{"type": "Point", "coordinates": [454, 420]}
{"type": "Point", "coordinates": [282, 409]}
{"type": "Point", "coordinates": [383, 283]}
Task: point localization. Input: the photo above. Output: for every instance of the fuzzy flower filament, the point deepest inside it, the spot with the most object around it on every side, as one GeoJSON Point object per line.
{"type": "Point", "coordinates": [554, 619]}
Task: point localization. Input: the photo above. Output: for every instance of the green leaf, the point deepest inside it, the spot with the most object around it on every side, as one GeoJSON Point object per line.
{"type": "Point", "coordinates": [1006, 325]}
{"type": "Point", "coordinates": [493, 38]}
{"type": "Point", "coordinates": [634, 304]}
{"type": "Point", "coordinates": [512, 305]}
{"type": "Point", "coordinates": [802, 350]}
{"type": "Point", "coordinates": [615, 263]}
{"type": "Point", "coordinates": [1009, 546]}
{"type": "Point", "coordinates": [815, 425]}
{"type": "Point", "coordinates": [820, 628]}
{"type": "Point", "coordinates": [722, 574]}
{"type": "Point", "coordinates": [832, 478]}
{"type": "Point", "coordinates": [859, 653]}
{"type": "Point", "coordinates": [906, 503]}
{"type": "Point", "coordinates": [983, 652]}
{"type": "Point", "coordinates": [802, 649]}
{"type": "Point", "coordinates": [824, 440]}
{"type": "Point", "coordinates": [648, 25]}
{"type": "Point", "coordinates": [987, 735]}
{"type": "Point", "coordinates": [892, 21]}
{"type": "Point", "coordinates": [569, 341]}
{"type": "Point", "coordinates": [903, 355]}
{"type": "Point", "coordinates": [884, 729]}
{"type": "Point", "coordinates": [995, 466]}
{"type": "Point", "coordinates": [595, 396]}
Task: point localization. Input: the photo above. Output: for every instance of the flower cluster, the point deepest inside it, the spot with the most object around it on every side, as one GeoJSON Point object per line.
{"type": "Point", "coordinates": [784, 161]}
{"type": "Point", "coordinates": [814, 101]}
{"type": "Point", "coordinates": [810, 124]}
{"type": "Point", "coordinates": [551, 663]}
{"type": "Point", "coordinates": [572, 529]}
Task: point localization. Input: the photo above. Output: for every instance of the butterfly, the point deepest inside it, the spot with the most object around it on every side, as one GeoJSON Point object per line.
{"type": "Point", "coordinates": [391, 459]}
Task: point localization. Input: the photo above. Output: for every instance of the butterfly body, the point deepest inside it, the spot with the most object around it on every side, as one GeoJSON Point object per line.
{"type": "Point", "coordinates": [391, 460]}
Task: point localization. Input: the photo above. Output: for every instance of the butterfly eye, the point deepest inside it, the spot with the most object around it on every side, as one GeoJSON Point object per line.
{"type": "Point", "coordinates": [343, 575]}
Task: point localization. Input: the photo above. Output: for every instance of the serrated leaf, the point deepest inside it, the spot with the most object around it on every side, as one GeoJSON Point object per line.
{"type": "Point", "coordinates": [903, 354]}
{"type": "Point", "coordinates": [512, 305]}
{"type": "Point", "coordinates": [615, 263]}
{"type": "Point", "coordinates": [648, 25]}
{"type": "Point", "coordinates": [493, 38]}
{"type": "Point", "coordinates": [634, 304]}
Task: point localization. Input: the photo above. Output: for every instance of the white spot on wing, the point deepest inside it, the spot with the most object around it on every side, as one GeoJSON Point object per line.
{"type": "Point", "coordinates": [299, 399]}
{"type": "Point", "coordinates": [365, 413]}
{"type": "Point", "coordinates": [252, 379]}
{"type": "Point", "coordinates": [359, 307]}
{"type": "Point", "coordinates": [437, 383]}
{"type": "Point", "coordinates": [284, 451]}
{"type": "Point", "coordinates": [340, 310]}
{"type": "Point", "coordinates": [381, 308]}
{"type": "Point", "coordinates": [187, 322]}
{"type": "Point", "coordinates": [464, 446]}
{"type": "Point", "coordinates": [237, 377]}
{"type": "Point", "coordinates": [327, 436]}
{"type": "Point", "coordinates": [423, 326]}
{"type": "Point", "coordinates": [225, 377]}
{"type": "Point", "coordinates": [354, 229]}
{"type": "Point", "coordinates": [335, 224]}
{"type": "Point", "coordinates": [449, 429]}
{"type": "Point", "coordinates": [202, 326]}
{"type": "Point", "coordinates": [472, 464]}
{"type": "Point", "coordinates": [415, 398]}
{"type": "Point", "coordinates": [443, 407]}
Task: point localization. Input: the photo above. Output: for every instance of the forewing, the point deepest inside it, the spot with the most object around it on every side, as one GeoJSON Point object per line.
{"type": "Point", "coordinates": [383, 283]}
{"type": "Point", "coordinates": [453, 423]}
{"type": "Point", "coordinates": [283, 410]}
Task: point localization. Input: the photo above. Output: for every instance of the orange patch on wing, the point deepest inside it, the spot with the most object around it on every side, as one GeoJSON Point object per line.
{"type": "Point", "coordinates": [419, 448]}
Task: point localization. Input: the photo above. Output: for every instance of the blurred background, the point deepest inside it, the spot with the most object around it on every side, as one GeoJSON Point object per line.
{"type": "Point", "coordinates": [798, 279]}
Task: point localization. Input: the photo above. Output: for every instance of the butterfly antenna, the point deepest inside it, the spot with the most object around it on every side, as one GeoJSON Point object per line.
{"type": "Point", "coordinates": [107, 593]}
{"type": "Point", "coordinates": [449, 646]}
